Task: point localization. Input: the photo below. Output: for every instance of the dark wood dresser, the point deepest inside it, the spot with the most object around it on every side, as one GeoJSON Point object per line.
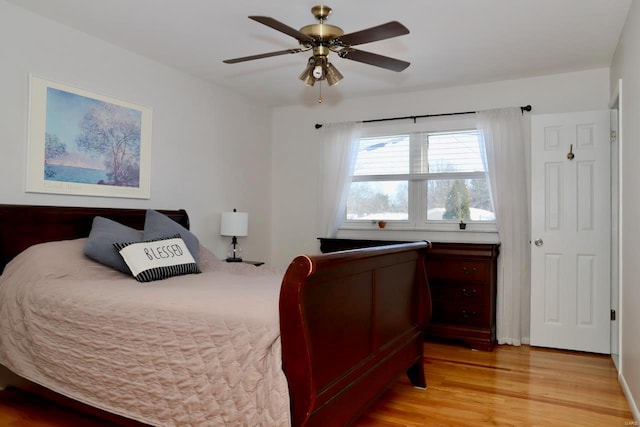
{"type": "Point", "coordinates": [462, 281]}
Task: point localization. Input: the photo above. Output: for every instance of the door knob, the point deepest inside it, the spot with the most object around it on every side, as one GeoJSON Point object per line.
{"type": "Point", "coordinates": [538, 242]}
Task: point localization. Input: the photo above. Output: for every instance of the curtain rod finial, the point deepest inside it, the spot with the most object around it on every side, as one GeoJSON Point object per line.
{"type": "Point", "coordinates": [318, 126]}
{"type": "Point", "coordinates": [525, 108]}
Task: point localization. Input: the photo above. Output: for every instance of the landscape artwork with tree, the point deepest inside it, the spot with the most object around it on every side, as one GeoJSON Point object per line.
{"type": "Point", "coordinates": [87, 144]}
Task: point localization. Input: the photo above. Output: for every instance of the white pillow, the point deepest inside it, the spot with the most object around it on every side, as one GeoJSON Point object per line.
{"type": "Point", "coordinates": [158, 259]}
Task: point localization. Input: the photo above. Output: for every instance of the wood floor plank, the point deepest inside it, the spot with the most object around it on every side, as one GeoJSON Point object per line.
{"type": "Point", "coordinates": [510, 386]}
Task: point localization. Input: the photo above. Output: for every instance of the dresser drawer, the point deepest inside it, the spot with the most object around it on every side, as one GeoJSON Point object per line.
{"type": "Point", "coordinates": [457, 269]}
{"type": "Point", "coordinates": [447, 292]}
{"type": "Point", "coordinates": [461, 314]}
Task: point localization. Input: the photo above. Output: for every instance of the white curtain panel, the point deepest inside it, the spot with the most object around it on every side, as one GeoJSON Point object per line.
{"type": "Point", "coordinates": [506, 137]}
{"type": "Point", "coordinates": [340, 143]}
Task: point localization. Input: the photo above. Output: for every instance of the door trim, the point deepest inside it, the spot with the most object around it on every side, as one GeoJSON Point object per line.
{"type": "Point", "coordinates": [616, 238]}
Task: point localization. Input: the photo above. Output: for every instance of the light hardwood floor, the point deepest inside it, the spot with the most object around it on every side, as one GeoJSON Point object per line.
{"type": "Point", "coordinates": [511, 386]}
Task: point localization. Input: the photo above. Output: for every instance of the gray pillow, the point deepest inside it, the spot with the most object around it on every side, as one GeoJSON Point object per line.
{"type": "Point", "coordinates": [159, 226]}
{"type": "Point", "coordinates": [104, 233]}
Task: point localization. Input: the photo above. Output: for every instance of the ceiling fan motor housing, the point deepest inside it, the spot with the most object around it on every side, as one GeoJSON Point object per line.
{"type": "Point", "coordinates": [322, 32]}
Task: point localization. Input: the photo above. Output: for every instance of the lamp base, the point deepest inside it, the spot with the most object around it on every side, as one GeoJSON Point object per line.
{"type": "Point", "coordinates": [234, 251]}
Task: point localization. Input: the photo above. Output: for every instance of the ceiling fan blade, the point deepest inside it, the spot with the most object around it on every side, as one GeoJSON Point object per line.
{"type": "Point", "coordinates": [262, 55]}
{"type": "Point", "coordinates": [283, 28]}
{"type": "Point", "coordinates": [374, 59]}
{"type": "Point", "coordinates": [380, 32]}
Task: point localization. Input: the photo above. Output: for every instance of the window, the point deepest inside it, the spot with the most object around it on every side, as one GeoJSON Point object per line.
{"type": "Point", "coordinates": [420, 179]}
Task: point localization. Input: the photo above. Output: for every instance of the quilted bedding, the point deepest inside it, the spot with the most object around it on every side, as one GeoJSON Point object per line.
{"type": "Point", "coordinates": [198, 350]}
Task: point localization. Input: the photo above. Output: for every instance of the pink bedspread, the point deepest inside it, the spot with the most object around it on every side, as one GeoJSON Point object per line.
{"type": "Point", "coordinates": [198, 350]}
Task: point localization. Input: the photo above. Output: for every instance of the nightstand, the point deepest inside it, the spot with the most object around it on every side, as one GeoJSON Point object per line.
{"type": "Point", "coordinates": [256, 263]}
{"type": "Point", "coordinates": [244, 261]}
{"type": "Point", "coordinates": [462, 281]}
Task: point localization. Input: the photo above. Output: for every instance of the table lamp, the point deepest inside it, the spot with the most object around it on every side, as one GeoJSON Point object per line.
{"type": "Point", "coordinates": [234, 224]}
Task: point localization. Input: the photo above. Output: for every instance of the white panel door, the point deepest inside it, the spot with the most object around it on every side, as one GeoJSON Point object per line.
{"type": "Point", "coordinates": [571, 230]}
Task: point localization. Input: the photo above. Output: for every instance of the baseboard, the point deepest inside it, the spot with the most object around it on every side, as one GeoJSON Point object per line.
{"type": "Point", "coordinates": [632, 403]}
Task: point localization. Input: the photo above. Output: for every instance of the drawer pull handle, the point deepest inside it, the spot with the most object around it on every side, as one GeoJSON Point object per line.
{"type": "Point", "coordinates": [468, 315]}
{"type": "Point", "coordinates": [467, 293]}
{"type": "Point", "coordinates": [467, 271]}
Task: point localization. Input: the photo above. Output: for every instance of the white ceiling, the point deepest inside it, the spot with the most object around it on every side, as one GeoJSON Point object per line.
{"type": "Point", "coordinates": [451, 42]}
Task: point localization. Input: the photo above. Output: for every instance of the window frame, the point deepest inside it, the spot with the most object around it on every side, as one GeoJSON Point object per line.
{"type": "Point", "coordinates": [417, 188]}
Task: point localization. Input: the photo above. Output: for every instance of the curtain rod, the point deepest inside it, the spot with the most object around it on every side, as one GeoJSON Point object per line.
{"type": "Point", "coordinates": [522, 109]}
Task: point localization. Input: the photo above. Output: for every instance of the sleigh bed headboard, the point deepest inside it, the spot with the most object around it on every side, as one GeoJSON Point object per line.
{"type": "Point", "coordinates": [22, 226]}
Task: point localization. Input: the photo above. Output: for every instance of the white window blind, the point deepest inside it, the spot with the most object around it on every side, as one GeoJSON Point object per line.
{"type": "Point", "coordinates": [420, 178]}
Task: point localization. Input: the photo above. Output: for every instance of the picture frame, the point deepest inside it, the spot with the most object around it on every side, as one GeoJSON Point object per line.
{"type": "Point", "coordinates": [85, 143]}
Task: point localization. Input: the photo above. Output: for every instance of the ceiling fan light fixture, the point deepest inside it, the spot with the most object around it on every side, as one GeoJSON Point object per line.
{"type": "Point", "coordinates": [307, 75]}
{"type": "Point", "coordinates": [333, 75]}
{"type": "Point", "coordinates": [309, 80]}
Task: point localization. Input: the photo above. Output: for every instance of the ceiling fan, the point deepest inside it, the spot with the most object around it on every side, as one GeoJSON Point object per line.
{"type": "Point", "coordinates": [323, 38]}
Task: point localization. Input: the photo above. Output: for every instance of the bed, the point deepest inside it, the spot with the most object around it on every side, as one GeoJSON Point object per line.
{"type": "Point", "coordinates": [313, 347]}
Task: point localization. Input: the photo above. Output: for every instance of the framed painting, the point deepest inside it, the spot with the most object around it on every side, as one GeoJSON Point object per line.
{"type": "Point", "coordinates": [88, 144]}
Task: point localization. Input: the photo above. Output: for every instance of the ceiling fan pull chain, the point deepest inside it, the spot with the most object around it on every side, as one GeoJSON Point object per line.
{"type": "Point", "coordinates": [320, 96]}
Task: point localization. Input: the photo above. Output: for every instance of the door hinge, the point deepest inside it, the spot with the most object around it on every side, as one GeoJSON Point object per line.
{"type": "Point", "coordinates": [614, 134]}
{"type": "Point", "coordinates": [613, 315]}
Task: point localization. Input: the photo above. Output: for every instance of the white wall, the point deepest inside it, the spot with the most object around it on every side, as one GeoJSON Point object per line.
{"type": "Point", "coordinates": [296, 143]}
{"type": "Point", "coordinates": [626, 66]}
{"type": "Point", "coordinates": [208, 146]}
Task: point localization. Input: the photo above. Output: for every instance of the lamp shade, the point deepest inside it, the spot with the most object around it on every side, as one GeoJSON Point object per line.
{"type": "Point", "coordinates": [307, 74]}
{"type": "Point", "coordinates": [234, 223]}
{"type": "Point", "coordinates": [333, 75]}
